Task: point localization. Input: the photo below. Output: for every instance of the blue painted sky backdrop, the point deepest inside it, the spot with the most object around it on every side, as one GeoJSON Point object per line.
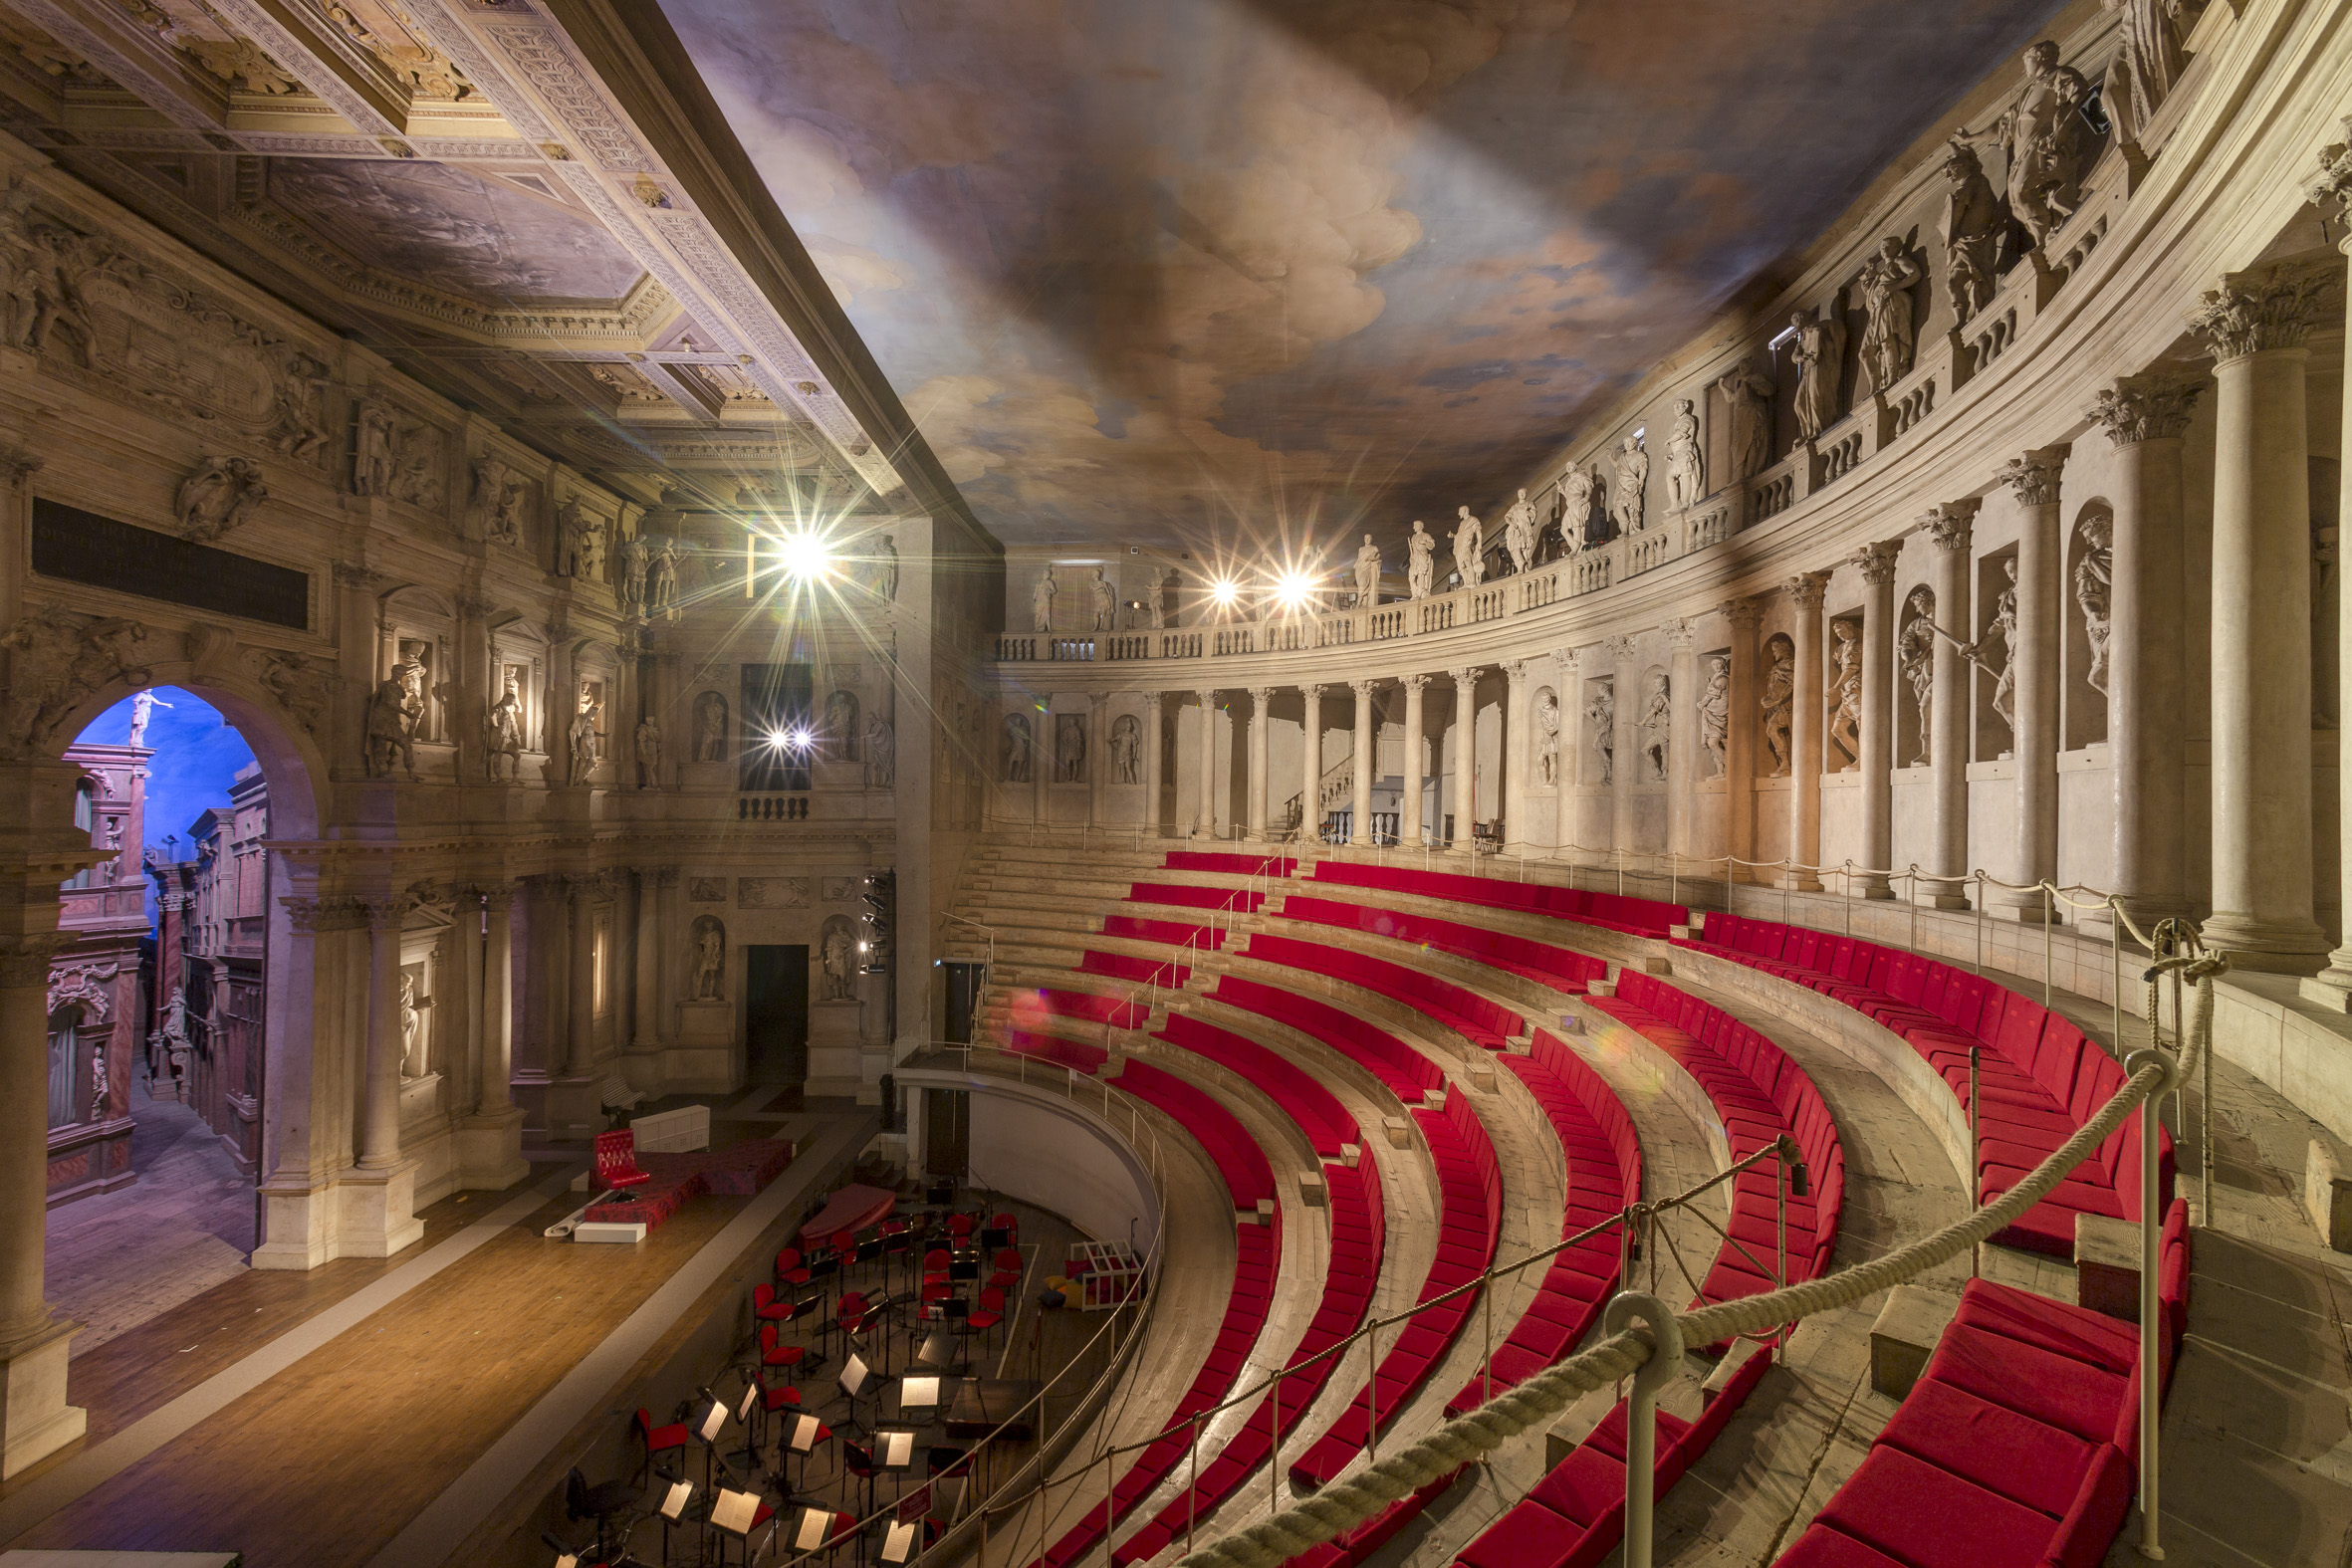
{"type": "Point", "coordinates": [197, 754]}
{"type": "Point", "coordinates": [1202, 271]}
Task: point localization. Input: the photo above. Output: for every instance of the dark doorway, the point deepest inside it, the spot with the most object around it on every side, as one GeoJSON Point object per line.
{"type": "Point", "coordinates": [964, 985]}
{"type": "Point", "coordinates": [947, 1131]}
{"type": "Point", "coordinates": [775, 1012]}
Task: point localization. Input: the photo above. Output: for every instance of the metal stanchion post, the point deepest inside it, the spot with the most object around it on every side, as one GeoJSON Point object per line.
{"type": "Point", "coordinates": [2151, 1244]}
{"type": "Point", "coordinates": [1192, 1493]}
{"type": "Point", "coordinates": [2047, 915]}
{"type": "Point", "coordinates": [1977, 1252]}
{"type": "Point", "coordinates": [1641, 1414]}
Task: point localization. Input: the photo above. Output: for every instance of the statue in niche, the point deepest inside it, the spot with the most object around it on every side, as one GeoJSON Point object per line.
{"type": "Point", "coordinates": [1013, 749]}
{"type": "Point", "coordinates": [219, 496]}
{"type": "Point", "coordinates": [498, 497]}
{"type": "Point", "coordinates": [1600, 711]}
{"type": "Point", "coordinates": [1367, 575]}
{"type": "Point", "coordinates": [1715, 714]}
{"type": "Point", "coordinates": [394, 712]}
{"type": "Point", "coordinates": [2003, 628]}
{"type": "Point", "coordinates": [635, 558]}
{"type": "Point", "coordinates": [1779, 701]}
{"type": "Point", "coordinates": [584, 749]}
{"type": "Point", "coordinates": [1973, 225]}
{"type": "Point", "coordinates": [1887, 332]}
{"type": "Point", "coordinates": [1470, 548]}
{"type": "Point", "coordinates": [1686, 462]}
{"type": "Point", "coordinates": [373, 464]}
{"type": "Point", "coordinates": [298, 423]}
{"type": "Point", "coordinates": [840, 724]}
{"type": "Point", "coordinates": [882, 753]}
{"type": "Point", "coordinates": [887, 568]}
{"type": "Point", "coordinates": [1815, 350]}
{"type": "Point", "coordinates": [1657, 726]}
{"type": "Point", "coordinates": [1107, 603]}
{"type": "Point", "coordinates": [2148, 61]}
{"type": "Point", "coordinates": [1421, 570]}
{"type": "Point", "coordinates": [649, 753]}
{"type": "Point", "coordinates": [412, 1030]}
{"type": "Point", "coordinates": [2094, 581]}
{"type": "Point", "coordinates": [1155, 599]}
{"type": "Point", "coordinates": [710, 728]}
{"type": "Point", "coordinates": [1069, 748]}
{"type": "Point", "coordinates": [710, 959]}
{"type": "Point", "coordinates": [1040, 603]}
{"type": "Point", "coordinates": [100, 1090]}
{"type": "Point", "coordinates": [1748, 410]}
{"type": "Point", "coordinates": [1519, 533]}
{"type": "Point", "coordinates": [502, 734]}
{"type": "Point", "coordinates": [1915, 656]}
{"type": "Point", "coordinates": [1126, 745]}
{"type": "Point", "coordinates": [1632, 465]}
{"type": "Point", "coordinates": [837, 954]}
{"type": "Point", "coordinates": [662, 594]}
{"type": "Point", "coordinates": [1547, 737]}
{"type": "Point", "coordinates": [1576, 500]}
{"type": "Point", "coordinates": [572, 540]}
{"type": "Point", "coordinates": [1845, 690]}
{"type": "Point", "coordinates": [2046, 141]}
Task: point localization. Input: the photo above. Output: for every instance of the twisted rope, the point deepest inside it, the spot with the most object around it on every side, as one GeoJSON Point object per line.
{"type": "Point", "coordinates": [1345, 1504]}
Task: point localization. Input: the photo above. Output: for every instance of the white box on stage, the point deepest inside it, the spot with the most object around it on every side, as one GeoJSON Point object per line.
{"type": "Point", "coordinates": [673, 1132]}
{"type": "Point", "coordinates": [626, 1232]}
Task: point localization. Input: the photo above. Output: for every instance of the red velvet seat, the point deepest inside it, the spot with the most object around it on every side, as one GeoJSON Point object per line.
{"type": "Point", "coordinates": [1928, 1518]}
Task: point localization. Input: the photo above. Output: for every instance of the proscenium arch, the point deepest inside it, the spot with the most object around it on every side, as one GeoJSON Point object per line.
{"type": "Point", "coordinates": [290, 759]}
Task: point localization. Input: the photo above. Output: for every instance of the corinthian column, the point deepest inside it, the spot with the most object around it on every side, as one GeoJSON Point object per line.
{"type": "Point", "coordinates": [1682, 737]}
{"type": "Point", "coordinates": [2033, 480]}
{"type": "Point", "coordinates": [2262, 653]}
{"type": "Point", "coordinates": [1744, 617]}
{"type": "Point", "coordinates": [1310, 767]}
{"type": "Point", "coordinates": [379, 1114]}
{"type": "Point", "coordinates": [35, 1420]}
{"type": "Point", "coordinates": [1877, 564]}
{"type": "Point", "coordinates": [1465, 752]}
{"type": "Point", "coordinates": [1949, 711]}
{"type": "Point", "coordinates": [1805, 728]}
{"type": "Point", "coordinates": [1367, 729]}
{"type": "Point", "coordinates": [1514, 755]}
{"type": "Point", "coordinates": [1571, 747]}
{"type": "Point", "coordinates": [581, 1050]}
{"type": "Point", "coordinates": [1408, 816]}
{"type": "Point", "coordinates": [1209, 791]}
{"type": "Point", "coordinates": [1261, 721]}
{"type": "Point", "coordinates": [1097, 753]}
{"type": "Point", "coordinates": [1153, 765]}
{"type": "Point", "coordinates": [2332, 988]}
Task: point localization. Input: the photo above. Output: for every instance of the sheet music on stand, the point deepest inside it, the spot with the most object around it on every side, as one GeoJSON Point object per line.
{"type": "Point", "coordinates": [567, 1560]}
{"type": "Point", "coordinates": [673, 1501]}
{"type": "Point", "coordinates": [899, 1544]}
{"type": "Point", "coordinates": [735, 1511]}
{"type": "Point", "coordinates": [713, 1423]}
{"type": "Point", "coordinates": [751, 1397]}
{"type": "Point", "coordinates": [914, 1393]}
{"type": "Point", "coordinates": [899, 1450]}
{"type": "Point", "coordinates": [804, 1436]}
{"type": "Point", "coordinates": [853, 1373]}
{"type": "Point", "coordinates": [816, 1525]}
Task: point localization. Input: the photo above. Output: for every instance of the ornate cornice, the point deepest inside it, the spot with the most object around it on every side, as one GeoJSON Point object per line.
{"type": "Point", "coordinates": [2257, 312]}
{"type": "Point", "coordinates": [2033, 478]}
{"type": "Point", "coordinates": [2146, 408]}
{"type": "Point", "coordinates": [1950, 524]}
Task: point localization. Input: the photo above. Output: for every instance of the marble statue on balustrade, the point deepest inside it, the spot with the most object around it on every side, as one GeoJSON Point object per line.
{"type": "Point", "coordinates": [1747, 395]}
{"type": "Point", "coordinates": [1040, 603]}
{"type": "Point", "coordinates": [1421, 570]}
{"type": "Point", "coordinates": [1657, 726]}
{"type": "Point", "coordinates": [1686, 460]}
{"type": "Point", "coordinates": [1973, 223]}
{"type": "Point", "coordinates": [2148, 61]}
{"type": "Point", "coordinates": [1915, 656]}
{"type": "Point", "coordinates": [1470, 548]}
{"type": "Point", "coordinates": [649, 753]}
{"type": "Point", "coordinates": [2095, 582]}
{"type": "Point", "coordinates": [1519, 533]}
{"type": "Point", "coordinates": [1126, 747]}
{"type": "Point", "coordinates": [662, 593]}
{"type": "Point", "coordinates": [1816, 346]}
{"type": "Point", "coordinates": [710, 728]}
{"type": "Point", "coordinates": [636, 557]}
{"type": "Point", "coordinates": [2002, 629]}
{"type": "Point", "coordinates": [1846, 692]}
{"type": "Point", "coordinates": [1155, 599]}
{"type": "Point", "coordinates": [502, 735]}
{"type": "Point", "coordinates": [1887, 329]}
{"type": "Point", "coordinates": [1715, 713]}
{"type": "Point", "coordinates": [1547, 737]}
{"type": "Point", "coordinates": [2046, 142]}
{"type": "Point", "coordinates": [1070, 750]}
{"type": "Point", "coordinates": [1367, 575]}
{"type": "Point", "coordinates": [882, 753]}
{"type": "Point", "coordinates": [1600, 711]}
{"type": "Point", "coordinates": [1632, 466]}
{"type": "Point", "coordinates": [1575, 507]}
{"type": "Point", "coordinates": [1779, 702]}
{"type": "Point", "coordinates": [1013, 749]}
{"type": "Point", "coordinates": [710, 959]}
{"type": "Point", "coordinates": [1107, 601]}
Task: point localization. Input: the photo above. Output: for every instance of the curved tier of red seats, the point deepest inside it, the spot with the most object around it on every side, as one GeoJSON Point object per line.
{"type": "Point", "coordinates": [1633, 917]}
{"type": "Point", "coordinates": [1093, 1006]}
{"type": "Point", "coordinates": [1759, 1094]}
{"type": "Point", "coordinates": [1176, 932]}
{"type": "Point", "coordinates": [2025, 1425]}
{"type": "Point", "coordinates": [1230, 864]}
{"type": "Point", "coordinates": [1315, 1108]}
{"type": "Point", "coordinates": [1074, 1055]}
{"type": "Point", "coordinates": [1194, 897]}
{"type": "Point", "coordinates": [1484, 1024]}
{"type": "Point", "coordinates": [2041, 1077]}
{"type": "Point", "coordinates": [1562, 969]}
{"type": "Point", "coordinates": [1403, 1071]}
{"type": "Point", "coordinates": [1122, 966]}
{"type": "Point", "coordinates": [1239, 1160]}
{"type": "Point", "coordinates": [1471, 1215]}
{"type": "Point", "coordinates": [1604, 1157]}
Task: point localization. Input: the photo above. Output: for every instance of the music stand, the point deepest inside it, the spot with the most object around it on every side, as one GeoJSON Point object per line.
{"type": "Point", "coordinates": [917, 1392]}
{"type": "Point", "coordinates": [962, 1267]}
{"type": "Point", "coordinates": [750, 1454]}
{"type": "Point", "coordinates": [941, 1350]}
{"type": "Point", "coordinates": [800, 1438]}
{"type": "Point", "coordinates": [996, 1239]}
{"type": "Point", "coordinates": [855, 1375]}
{"type": "Point", "coordinates": [898, 1542]}
{"type": "Point", "coordinates": [707, 1428]}
{"type": "Point", "coordinates": [672, 1507]}
{"type": "Point", "coordinates": [736, 1513]}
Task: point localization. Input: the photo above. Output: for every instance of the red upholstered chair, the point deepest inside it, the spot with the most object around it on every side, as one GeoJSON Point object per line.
{"type": "Point", "coordinates": [658, 1439]}
{"type": "Point", "coordinates": [774, 1353]}
{"type": "Point", "coordinates": [988, 1314]}
{"type": "Point", "coordinates": [616, 1161]}
{"type": "Point", "coordinates": [961, 1227]}
{"type": "Point", "coordinates": [768, 1308]}
{"type": "Point", "coordinates": [791, 1268]}
{"type": "Point", "coordinates": [1009, 1268]}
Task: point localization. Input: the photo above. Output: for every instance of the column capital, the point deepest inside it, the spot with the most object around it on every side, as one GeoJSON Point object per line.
{"type": "Point", "coordinates": [1260, 696]}
{"type": "Point", "coordinates": [495, 896]}
{"type": "Point", "coordinates": [1363, 689]}
{"type": "Point", "coordinates": [1413, 682]}
{"type": "Point", "coordinates": [1950, 525]}
{"type": "Point", "coordinates": [1744, 613]}
{"type": "Point", "coordinates": [1465, 676]}
{"type": "Point", "coordinates": [1621, 649]}
{"type": "Point", "coordinates": [2140, 409]}
{"type": "Point", "coordinates": [24, 960]}
{"type": "Point", "coordinates": [2256, 312]}
{"type": "Point", "coordinates": [1515, 671]}
{"type": "Point", "coordinates": [1809, 588]}
{"type": "Point", "coordinates": [1313, 691]}
{"type": "Point", "coordinates": [1877, 561]}
{"type": "Point", "coordinates": [1680, 633]}
{"type": "Point", "coordinates": [326, 914]}
{"type": "Point", "coordinates": [2033, 478]}
{"type": "Point", "coordinates": [1207, 697]}
{"type": "Point", "coordinates": [2331, 190]}
{"type": "Point", "coordinates": [660, 876]}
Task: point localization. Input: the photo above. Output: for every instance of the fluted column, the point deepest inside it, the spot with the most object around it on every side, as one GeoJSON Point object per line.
{"type": "Point", "coordinates": [580, 1049]}
{"type": "Point", "coordinates": [1368, 731]}
{"type": "Point", "coordinates": [1805, 729]}
{"type": "Point", "coordinates": [1572, 747]}
{"type": "Point", "coordinates": [1951, 709]}
{"type": "Point", "coordinates": [1465, 752]}
{"type": "Point", "coordinates": [1409, 809]}
{"type": "Point", "coordinates": [1681, 736]}
{"type": "Point", "coordinates": [1261, 723]}
{"type": "Point", "coordinates": [379, 1105]}
{"type": "Point", "coordinates": [1154, 765]}
{"type": "Point", "coordinates": [497, 1002]}
{"type": "Point", "coordinates": [1514, 755]}
{"type": "Point", "coordinates": [2332, 986]}
{"type": "Point", "coordinates": [1097, 753]}
{"type": "Point", "coordinates": [2262, 653]}
{"type": "Point", "coordinates": [1877, 564]}
{"type": "Point", "coordinates": [1744, 617]}
{"type": "Point", "coordinates": [1624, 745]}
{"type": "Point", "coordinates": [1209, 791]}
{"type": "Point", "coordinates": [2034, 690]}
{"type": "Point", "coordinates": [1311, 787]}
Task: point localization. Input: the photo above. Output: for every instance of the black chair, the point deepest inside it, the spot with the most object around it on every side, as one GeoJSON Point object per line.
{"type": "Point", "coordinates": [858, 1461]}
{"type": "Point", "coordinates": [601, 1503]}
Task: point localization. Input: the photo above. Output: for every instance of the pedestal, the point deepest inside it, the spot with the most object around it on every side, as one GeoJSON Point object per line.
{"type": "Point", "coordinates": [35, 1420]}
{"type": "Point", "coordinates": [375, 1211]}
{"type": "Point", "coordinates": [488, 1150]}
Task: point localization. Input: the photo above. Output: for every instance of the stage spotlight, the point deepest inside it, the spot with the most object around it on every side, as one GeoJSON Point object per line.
{"type": "Point", "coordinates": [1225, 591]}
{"type": "Point", "coordinates": [1292, 589]}
{"type": "Point", "coordinates": [805, 555]}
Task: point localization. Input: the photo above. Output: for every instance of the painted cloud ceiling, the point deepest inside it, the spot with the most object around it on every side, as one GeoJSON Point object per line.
{"type": "Point", "coordinates": [1195, 271]}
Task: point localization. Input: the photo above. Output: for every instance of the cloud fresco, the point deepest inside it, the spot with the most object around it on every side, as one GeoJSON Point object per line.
{"type": "Point", "coordinates": [1197, 272]}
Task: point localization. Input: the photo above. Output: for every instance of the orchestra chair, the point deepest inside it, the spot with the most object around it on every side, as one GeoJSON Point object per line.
{"type": "Point", "coordinates": [791, 1268]}
{"type": "Point", "coordinates": [775, 1354]}
{"type": "Point", "coordinates": [1009, 1268]}
{"type": "Point", "coordinates": [984, 1319]}
{"type": "Point", "coordinates": [670, 1439]}
{"type": "Point", "coordinates": [602, 1504]}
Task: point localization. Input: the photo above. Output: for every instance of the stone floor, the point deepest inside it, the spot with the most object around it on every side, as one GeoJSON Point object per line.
{"type": "Point", "coordinates": [119, 1259]}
